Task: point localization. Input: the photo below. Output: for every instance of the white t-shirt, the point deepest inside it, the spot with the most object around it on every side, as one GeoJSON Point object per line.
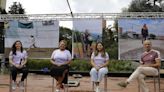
{"type": "Point", "coordinates": [99, 60]}
{"type": "Point", "coordinates": [18, 57]}
{"type": "Point", "coordinates": [60, 57]}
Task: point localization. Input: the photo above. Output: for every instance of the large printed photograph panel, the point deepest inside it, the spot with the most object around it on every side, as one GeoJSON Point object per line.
{"type": "Point", "coordinates": [86, 33]}
{"type": "Point", "coordinates": [132, 33]}
{"type": "Point", "coordinates": [39, 38]}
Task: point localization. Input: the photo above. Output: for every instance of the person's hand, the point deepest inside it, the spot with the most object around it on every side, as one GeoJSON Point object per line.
{"type": "Point", "coordinates": [141, 63]}
{"type": "Point", "coordinates": [97, 68]}
{"type": "Point", "coordinates": [18, 66]}
{"type": "Point", "coordinates": [59, 65]}
{"type": "Point", "coordinates": [144, 65]}
{"type": "Point", "coordinates": [21, 66]}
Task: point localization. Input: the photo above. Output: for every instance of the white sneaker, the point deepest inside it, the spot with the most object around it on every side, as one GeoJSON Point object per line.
{"type": "Point", "coordinates": [21, 85]}
{"type": "Point", "coordinates": [14, 85]}
{"type": "Point", "coordinates": [97, 89]}
{"type": "Point", "coordinates": [57, 90]}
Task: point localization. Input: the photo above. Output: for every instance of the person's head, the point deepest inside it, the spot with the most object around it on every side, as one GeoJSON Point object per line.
{"type": "Point", "coordinates": [147, 45]}
{"type": "Point", "coordinates": [17, 46]}
{"type": "Point", "coordinates": [86, 31]}
{"type": "Point", "coordinates": [62, 44]}
{"type": "Point", "coordinates": [145, 26]}
{"type": "Point", "coordinates": [31, 36]}
{"type": "Point", "coordinates": [99, 48]}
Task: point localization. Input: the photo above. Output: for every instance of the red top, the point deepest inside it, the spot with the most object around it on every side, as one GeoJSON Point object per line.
{"type": "Point", "coordinates": [149, 57]}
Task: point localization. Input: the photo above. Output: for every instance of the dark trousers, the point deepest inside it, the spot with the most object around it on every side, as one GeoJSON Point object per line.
{"type": "Point", "coordinates": [15, 70]}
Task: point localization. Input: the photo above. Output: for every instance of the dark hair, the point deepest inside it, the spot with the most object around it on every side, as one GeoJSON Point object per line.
{"type": "Point", "coordinates": [96, 50]}
{"type": "Point", "coordinates": [14, 48]}
{"type": "Point", "coordinates": [31, 36]}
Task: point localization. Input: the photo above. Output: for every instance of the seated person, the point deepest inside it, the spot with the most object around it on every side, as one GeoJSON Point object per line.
{"type": "Point", "coordinates": [150, 62]}
{"type": "Point", "coordinates": [60, 58]}
{"type": "Point", "coordinates": [18, 60]}
{"type": "Point", "coordinates": [99, 62]}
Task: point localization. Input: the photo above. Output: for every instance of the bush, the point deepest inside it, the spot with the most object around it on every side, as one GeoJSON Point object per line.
{"type": "Point", "coordinates": [38, 64]}
{"type": "Point", "coordinates": [80, 65]}
{"type": "Point", "coordinates": [83, 65]}
{"type": "Point", "coordinates": [121, 66]}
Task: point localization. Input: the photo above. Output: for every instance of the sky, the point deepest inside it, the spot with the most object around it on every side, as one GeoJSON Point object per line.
{"type": "Point", "coordinates": [93, 26]}
{"type": "Point", "coordinates": [155, 26]}
{"type": "Point", "coordinates": [77, 6]}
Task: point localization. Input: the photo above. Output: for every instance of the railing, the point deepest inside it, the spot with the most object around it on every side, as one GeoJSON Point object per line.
{"type": "Point", "coordinates": [67, 16]}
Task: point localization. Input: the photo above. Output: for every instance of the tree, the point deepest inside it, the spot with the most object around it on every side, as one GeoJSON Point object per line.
{"type": "Point", "coordinates": [2, 11]}
{"type": "Point", "coordinates": [145, 6]}
{"type": "Point", "coordinates": [66, 34]}
{"type": "Point", "coordinates": [16, 8]}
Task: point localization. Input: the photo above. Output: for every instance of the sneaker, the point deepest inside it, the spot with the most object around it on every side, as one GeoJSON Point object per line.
{"type": "Point", "coordinates": [97, 89]}
{"type": "Point", "coordinates": [57, 90]}
{"type": "Point", "coordinates": [14, 85]}
{"type": "Point", "coordinates": [123, 84]}
{"type": "Point", "coordinates": [21, 85]}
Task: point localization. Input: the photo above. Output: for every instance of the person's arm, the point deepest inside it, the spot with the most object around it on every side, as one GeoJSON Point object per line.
{"type": "Point", "coordinates": [92, 60]}
{"type": "Point", "coordinates": [67, 62]}
{"type": "Point", "coordinates": [24, 60]}
{"type": "Point", "coordinates": [92, 63]}
{"type": "Point", "coordinates": [11, 60]}
{"type": "Point", "coordinates": [157, 63]}
{"type": "Point", "coordinates": [141, 31]}
{"type": "Point", "coordinates": [141, 62]}
{"type": "Point", "coordinates": [52, 60]}
{"type": "Point", "coordinates": [106, 62]}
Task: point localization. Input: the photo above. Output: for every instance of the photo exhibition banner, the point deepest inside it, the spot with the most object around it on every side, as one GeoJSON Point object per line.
{"type": "Point", "coordinates": [36, 36]}
{"type": "Point", "coordinates": [132, 33]}
{"type": "Point", "coordinates": [86, 33]}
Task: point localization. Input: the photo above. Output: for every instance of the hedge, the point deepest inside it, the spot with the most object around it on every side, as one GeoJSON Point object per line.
{"type": "Point", "coordinates": [82, 65]}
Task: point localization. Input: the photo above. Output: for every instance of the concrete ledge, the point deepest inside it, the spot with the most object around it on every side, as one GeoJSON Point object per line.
{"type": "Point", "coordinates": [110, 74]}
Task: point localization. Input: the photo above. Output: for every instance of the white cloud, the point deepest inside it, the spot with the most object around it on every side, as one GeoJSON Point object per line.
{"type": "Point", "coordinates": [78, 6]}
{"type": "Point", "coordinates": [98, 6]}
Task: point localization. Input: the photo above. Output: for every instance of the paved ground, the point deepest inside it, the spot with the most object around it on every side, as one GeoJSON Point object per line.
{"type": "Point", "coordinates": [43, 83]}
{"type": "Point", "coordinates": [133, 48]}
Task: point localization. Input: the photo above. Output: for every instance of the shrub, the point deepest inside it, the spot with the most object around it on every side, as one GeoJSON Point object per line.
{"type": "Point", "coordinates": [38, 64]}
{"type": "Point", "coordinates": [80, 65]}
{"type": "Point", "coordinates": [121, 66]}
{"type": "Point", "coordinates": [83, 65]}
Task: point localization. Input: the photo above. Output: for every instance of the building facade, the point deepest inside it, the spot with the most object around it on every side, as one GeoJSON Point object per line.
{"type": "Point", "coordinates": [3, 4]}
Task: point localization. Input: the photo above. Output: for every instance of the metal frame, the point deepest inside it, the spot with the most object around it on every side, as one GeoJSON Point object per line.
{"type": "Point", "coordinates": [105, 83]}
{"type": "Point", "coordinates": [10, 86]}
{"type": "Point", "coordinates": [156, 79]}
{"type": "Point", "coordinates": [53, 85]}
{"type": "Point", "coordinates": [68, 16]}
